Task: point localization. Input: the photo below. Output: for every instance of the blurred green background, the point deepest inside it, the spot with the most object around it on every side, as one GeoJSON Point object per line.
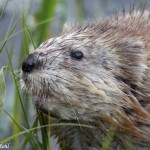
{"type": "Point", "coordinates": [24, 24]}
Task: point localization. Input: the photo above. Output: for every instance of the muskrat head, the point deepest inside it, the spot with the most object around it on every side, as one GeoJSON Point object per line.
{"type": "Point", "coordinates": [85, 74]}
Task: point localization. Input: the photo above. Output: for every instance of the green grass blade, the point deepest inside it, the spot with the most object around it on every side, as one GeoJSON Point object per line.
{"type": "Point", "coordinates": [25, 41]}
{"type": "Point", "coordinates": [44, 126]}
{"type": "Point", "coordinates": [44, 133]}
{"type": "Point", "coordinates": [49, 6]}
{"type": "Point", "coordinates": [25, 29]}
{"type": "Point", "coordinates": [3, 10]}
{"type": "Point", "coordinates": [13, 120]}
{"type": "Point", "coordinates": [108, 139]}
{"type": "Point", "coordinates": [8, 35]}
{"type": "Point", "coordinates": [37, 144]}
{"type": "Point", "coordinates": [16, 86]}
{"type": "Point", "coordinates": [128, 143]}
{"type": "Point", "coordinates": [31, 36]}
{"type": "Point", "coordinates": [2, 88]}
{"type": "Point", "coordinates": [17, 98]}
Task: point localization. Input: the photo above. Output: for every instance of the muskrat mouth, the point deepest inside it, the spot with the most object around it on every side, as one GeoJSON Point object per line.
{"type": "Point", "coordinates": [40, 98]}
{"type": "Point", "coordinates": [42, 104]}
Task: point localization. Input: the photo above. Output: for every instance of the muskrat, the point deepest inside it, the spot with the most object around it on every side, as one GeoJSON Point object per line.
{"type": "Point", "coordinates": [96, 74]}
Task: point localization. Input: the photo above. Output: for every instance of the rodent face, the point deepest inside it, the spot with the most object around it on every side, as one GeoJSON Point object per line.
{"type": "Point", "coordinates": [96, 74]}
{"type": "Point", "coordinates": [70, 74]}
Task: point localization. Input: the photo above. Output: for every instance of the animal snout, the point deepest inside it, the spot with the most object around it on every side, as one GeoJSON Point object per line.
{"type": "Point", "coordinates": [30, 63]}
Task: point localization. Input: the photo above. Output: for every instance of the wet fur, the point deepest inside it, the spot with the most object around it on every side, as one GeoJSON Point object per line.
{"type": "Point", "coordinates": [109, 87]}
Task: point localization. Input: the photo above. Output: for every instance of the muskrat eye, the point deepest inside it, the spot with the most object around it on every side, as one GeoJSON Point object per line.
{"type": "Point", "coordinates": [77, 55]}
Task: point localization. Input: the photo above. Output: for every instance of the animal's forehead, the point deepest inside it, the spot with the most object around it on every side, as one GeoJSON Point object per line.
{"type": "Point", "coordinates": [67, 41]}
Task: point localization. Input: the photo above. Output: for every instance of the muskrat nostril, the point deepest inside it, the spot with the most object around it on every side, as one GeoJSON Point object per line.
{"type": "Point", "coordinates": [29, 63]}
{"type": "Point", "coordinates": [27, 67]}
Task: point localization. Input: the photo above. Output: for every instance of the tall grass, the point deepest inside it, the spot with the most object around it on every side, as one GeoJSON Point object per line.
{"type": "Point", "coordinates": [25, 132]}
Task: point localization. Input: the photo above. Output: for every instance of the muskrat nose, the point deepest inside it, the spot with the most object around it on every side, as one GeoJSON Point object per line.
{"type": "Point", "coordinates": [29, 63]}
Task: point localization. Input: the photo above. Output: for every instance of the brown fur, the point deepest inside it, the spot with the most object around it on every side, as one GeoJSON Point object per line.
{"type": "Point", "coordinates": [120, 86]}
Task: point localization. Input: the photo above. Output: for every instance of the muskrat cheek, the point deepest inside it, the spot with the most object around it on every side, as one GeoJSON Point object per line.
{"type": "Point", "coordinates": [107, 64]}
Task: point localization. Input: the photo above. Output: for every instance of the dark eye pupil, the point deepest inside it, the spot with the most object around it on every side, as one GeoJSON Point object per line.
{"type": "Point", "coordinates": [77, 55]}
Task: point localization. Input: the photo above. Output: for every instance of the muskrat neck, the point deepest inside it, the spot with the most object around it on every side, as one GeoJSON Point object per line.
{"type": "Point", "coordinates": [84, 138]}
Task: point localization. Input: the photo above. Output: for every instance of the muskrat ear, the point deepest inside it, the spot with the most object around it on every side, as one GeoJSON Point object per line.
{"type": "Point", "coordinates": [70, 27]}
{"type": "Point", "coordinates": [133, 59]}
